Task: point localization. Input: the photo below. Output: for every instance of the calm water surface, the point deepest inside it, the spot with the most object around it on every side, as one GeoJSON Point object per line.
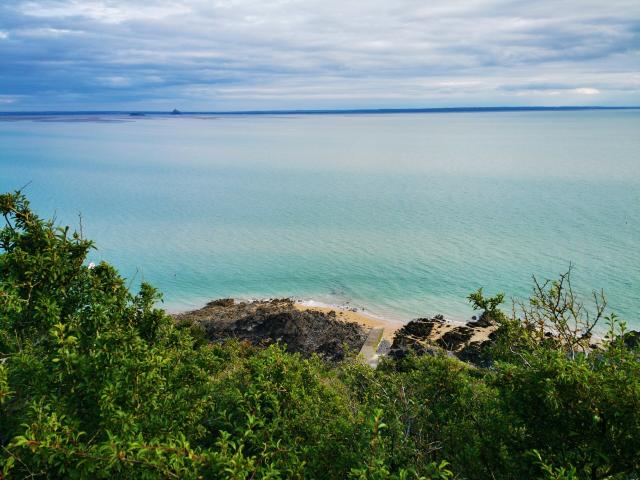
{"type": "Point", "coordinates": [401, 214]}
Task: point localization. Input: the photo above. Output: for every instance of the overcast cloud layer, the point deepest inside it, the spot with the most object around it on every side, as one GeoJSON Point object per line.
{"type": "Point", "coordinates": [282, 54]}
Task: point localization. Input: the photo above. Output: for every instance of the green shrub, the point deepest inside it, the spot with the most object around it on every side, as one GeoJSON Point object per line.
{"type": "Point", "coordinates": [95, 382]}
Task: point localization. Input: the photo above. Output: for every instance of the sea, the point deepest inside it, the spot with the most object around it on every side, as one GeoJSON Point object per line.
{"type": "Point", "coordinates": [399, 215]}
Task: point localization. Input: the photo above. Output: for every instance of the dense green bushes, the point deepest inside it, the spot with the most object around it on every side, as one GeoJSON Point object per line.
{"type": "Point", "coordinates": [97, 383]}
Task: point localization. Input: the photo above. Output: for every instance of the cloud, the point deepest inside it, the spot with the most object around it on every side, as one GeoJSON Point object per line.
{"type": "Point", "coordinates": [45, 32]}
{"type": "Point", "coordinates": [587, 91]}
{"type": "Point", "coordinates": [117, 82]}
{"type": "Point", "coordinates": [107, 12]}
{"type": "Point", "coordinates": [549, 90]}
{"type": "Point", "coordinates": [219, 54]}
{"type": "Point", "coordinates": [6, 100]}
{"type": "Point", "coordinates": [3, 35]}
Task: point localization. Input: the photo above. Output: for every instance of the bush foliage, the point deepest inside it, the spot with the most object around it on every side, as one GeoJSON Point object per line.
{"type": "Point", "coordinates": [96, 382]}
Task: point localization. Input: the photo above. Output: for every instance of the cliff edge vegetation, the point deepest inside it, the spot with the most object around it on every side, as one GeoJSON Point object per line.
{"type": "Point", "coordinates": [96, 382]}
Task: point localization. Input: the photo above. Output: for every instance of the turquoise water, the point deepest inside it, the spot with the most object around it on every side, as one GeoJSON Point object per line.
{"type": "Point", "coordinates": [401, 214]}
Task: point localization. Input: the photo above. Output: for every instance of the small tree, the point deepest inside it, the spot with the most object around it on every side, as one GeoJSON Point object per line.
{"type": "Point", "coordinates": [489, 306]}
{"type": "Point", "coordinates": [555, 313]}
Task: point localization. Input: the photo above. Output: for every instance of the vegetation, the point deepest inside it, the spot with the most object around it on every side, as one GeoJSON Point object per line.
{"type": "Point", "coordinates": [95, 382]}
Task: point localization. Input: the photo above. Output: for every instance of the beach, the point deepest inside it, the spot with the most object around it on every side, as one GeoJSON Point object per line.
{"type": "Point", "coordinates": [390, 326]}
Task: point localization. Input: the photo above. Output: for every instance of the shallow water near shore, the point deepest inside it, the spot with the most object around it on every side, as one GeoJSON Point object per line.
{"type": "Point", "coordinates": [403, 215]}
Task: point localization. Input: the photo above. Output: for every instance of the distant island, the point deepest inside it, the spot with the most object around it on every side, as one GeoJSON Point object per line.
{"type": "Point", "coordinates": [357, 111]}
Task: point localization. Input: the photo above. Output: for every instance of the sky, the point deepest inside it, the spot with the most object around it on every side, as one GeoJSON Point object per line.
{"type": "Point", "coordinates": [210, 55]}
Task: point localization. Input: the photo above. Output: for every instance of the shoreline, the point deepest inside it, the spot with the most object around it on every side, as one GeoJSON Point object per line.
{"type": "Point", "coordinates": [369, 321]}
{"type": "Point", "coordinates": [344, 312]}
{"type": "Point", "coordinates": [354, 316]}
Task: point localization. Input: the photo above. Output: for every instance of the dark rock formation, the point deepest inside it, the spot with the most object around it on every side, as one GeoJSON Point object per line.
{"type": "Point", "coordinates": [415, 337]}
{"type": "Point", "coordinates": [455, 339]}
{"type": "Point", "coordinates": [632, 339]}
{"type": "Point", "coordinates": [266, 322]}
{"type": "Point", "coordinates": [222, 302]}
{"type": "Point", "coordinates": [485, 321]}
{"type": "Point", "coordinates": [435, 336]}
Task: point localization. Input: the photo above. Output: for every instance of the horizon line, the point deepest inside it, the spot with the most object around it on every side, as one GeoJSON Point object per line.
{"type": "Point", "coordinates": [392, 110]}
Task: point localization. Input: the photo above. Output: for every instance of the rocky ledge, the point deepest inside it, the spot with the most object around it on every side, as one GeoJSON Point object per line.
{"type": "Point", "coordinates": [468, 342]}
{"type": "Point", "coordinates": [434, 336]}
{"type": "Point", "coordinates": [266, 322]}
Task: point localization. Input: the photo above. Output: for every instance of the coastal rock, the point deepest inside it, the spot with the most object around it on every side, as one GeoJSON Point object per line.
{"type": "Point", "coordinates": [278, 320]}
{"type": "Point", "coordinates": [435, 336]}
{"type": "Point", "coordinates": [455, 339]}
{"type": "Point", "coordinates": [222, 302]}
{"type": "Point", "coordinates": [415, 337]}
{"type": "Point", "coordinates": [476, 353]}
{"type": "Point", "coordinates": [632, 339]}
{"type": "Point", "coordinates": [485, 321]}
